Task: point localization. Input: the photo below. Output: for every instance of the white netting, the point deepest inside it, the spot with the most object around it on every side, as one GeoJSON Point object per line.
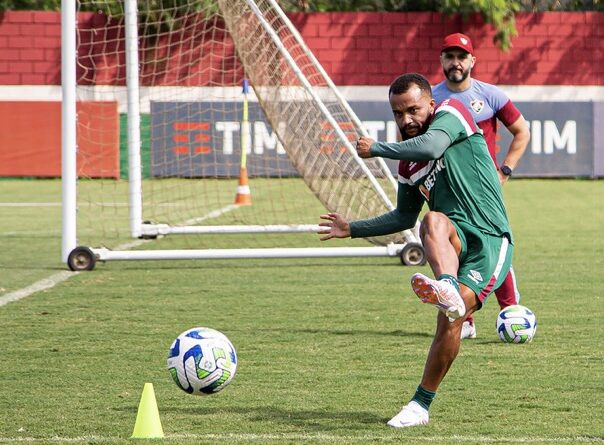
{"type": "Point", "coordinates": [193, 58]}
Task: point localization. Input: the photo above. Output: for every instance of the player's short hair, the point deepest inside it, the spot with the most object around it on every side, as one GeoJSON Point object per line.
{"type": "Point", "coordinates": [402, 84]}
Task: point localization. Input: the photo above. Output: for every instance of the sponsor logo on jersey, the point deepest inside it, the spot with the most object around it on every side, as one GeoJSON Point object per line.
{"type": "Point", "coordinates": [477, 105]}
{"type": "Point", "coordinates": [430, 179]}
{"type": "Point", "coordinates": [475, 276]}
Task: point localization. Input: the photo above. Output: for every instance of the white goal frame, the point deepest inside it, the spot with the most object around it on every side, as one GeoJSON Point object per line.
{"type": "Point", "coordinates": [84, 257]}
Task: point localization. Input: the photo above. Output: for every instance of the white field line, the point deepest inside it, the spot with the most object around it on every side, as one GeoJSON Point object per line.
{"type": "Point", "coordinates": [213, 214]}
{"type": "Point", "coordinates": [53, 280]}
{"type": "Point", "coordinates": [45, 283]}
{"type": "Point", "coordinates": [330, 438]}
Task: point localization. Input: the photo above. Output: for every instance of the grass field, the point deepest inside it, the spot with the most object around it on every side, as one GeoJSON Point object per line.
{"type": "Point", "coordinates": [329, 349]}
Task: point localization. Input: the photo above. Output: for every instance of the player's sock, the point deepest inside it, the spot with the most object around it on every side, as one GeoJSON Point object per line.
{"type": "Point", "coordinates": [424, 397]}
{"type": "Point", "coordinates": [450, 279]}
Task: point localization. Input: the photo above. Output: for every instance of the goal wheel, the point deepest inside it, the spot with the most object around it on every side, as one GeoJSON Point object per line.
{"type": "Point", "coordinates": [81, 258]}
{"type": "Point", "coordinates": [413, 254]}
{"type": "Point", "coordinates": [148, 236]}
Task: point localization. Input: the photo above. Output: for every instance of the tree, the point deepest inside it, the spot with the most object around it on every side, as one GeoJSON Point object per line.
{"type": "Point", "coordinates": [499, 13]}
{"type": "Point", "coordinates": [33, 5]}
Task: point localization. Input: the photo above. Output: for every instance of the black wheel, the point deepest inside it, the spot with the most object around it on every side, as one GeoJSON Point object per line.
{"type": "Point", "coordinates": [148, 236]}
{"type": "Point", "coordinates": [413, 254]}
{"type": "Point", "coordinates": [81, 258]}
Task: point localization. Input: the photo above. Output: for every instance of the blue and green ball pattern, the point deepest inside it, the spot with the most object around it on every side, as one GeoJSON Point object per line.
{"type": "Point", "coordinates": [516, 324]}
{"type": "Point", "coordinates": [202, 361]}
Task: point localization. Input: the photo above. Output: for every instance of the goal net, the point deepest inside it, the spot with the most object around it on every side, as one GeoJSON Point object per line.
{"type": "Point", "coordinates": [172, 145]}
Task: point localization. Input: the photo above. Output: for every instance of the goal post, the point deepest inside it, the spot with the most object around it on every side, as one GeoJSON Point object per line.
{"type": "Point", "coordinates": [171, 80]}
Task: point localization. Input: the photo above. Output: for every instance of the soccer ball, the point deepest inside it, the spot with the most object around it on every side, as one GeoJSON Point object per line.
{"type": "Point", "coordinates": [516, 324]}
{"type": "Point", "coordinates": [202, 361]}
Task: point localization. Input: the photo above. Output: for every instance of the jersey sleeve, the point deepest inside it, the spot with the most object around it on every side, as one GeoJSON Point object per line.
{"type": "Point", "coordinates": [508, 114]}
{"type": "Point", "coordinates": [500, 103]}
{"type": "Point", "coordinates": [453, 118]}
{"type": "Point", "coordinates": [409, 205]}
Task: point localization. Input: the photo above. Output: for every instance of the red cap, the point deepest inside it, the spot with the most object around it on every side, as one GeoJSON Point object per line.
{"type": "Point", "coordinates": [458, 40]}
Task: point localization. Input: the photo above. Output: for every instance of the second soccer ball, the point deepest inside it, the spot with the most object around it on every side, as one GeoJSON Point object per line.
{"type": "Point", "coordinates": [516, 324]}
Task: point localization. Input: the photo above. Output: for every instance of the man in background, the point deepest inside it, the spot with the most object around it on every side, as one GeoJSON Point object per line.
{"type": "Point", "coordinates": [487, 104]}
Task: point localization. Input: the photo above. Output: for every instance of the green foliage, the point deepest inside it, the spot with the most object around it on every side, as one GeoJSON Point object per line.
{"type": "Point", "coordinates": [166, 14]}
{"type": "Point", "coordinates": [499, 13]}
{"type": "Point", "coordinates": [33, 5]}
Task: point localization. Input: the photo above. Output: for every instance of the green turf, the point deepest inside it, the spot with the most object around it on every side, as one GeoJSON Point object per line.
{"type": "Point", "coordinates": [328, 348]}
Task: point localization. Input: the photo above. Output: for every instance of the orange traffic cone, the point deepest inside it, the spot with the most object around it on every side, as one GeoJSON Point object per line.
{"type": "Point", "coordinates": [244, 197]}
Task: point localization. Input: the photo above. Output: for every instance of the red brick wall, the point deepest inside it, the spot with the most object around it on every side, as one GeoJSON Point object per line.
{"type": "Point", "coordinates": [366, 48]}
{"type": "Point", "coordinates": [30, 48]}
{"type": "Point", "coordinates": [372, 48]}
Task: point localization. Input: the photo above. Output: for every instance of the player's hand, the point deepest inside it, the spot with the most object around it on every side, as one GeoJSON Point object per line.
{"type": "Point", "coordinates": [335, 227]}
{"type": "Point", "coordinates": [364, 147]}
{"type": "Point", "coordinates": [502, 178]}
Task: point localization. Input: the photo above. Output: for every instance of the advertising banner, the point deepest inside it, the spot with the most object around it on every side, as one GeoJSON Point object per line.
{"type": "Point", "coordinates": [203, 139]}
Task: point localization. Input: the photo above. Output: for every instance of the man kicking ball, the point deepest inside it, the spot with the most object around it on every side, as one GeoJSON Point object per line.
{"type": "Point", "coordinates": [444, 161]}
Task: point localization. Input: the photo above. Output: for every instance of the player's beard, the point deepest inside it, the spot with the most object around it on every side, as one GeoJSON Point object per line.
{"type": "Point", "coordinates": [420, 130]}
{"type": "Point", "coordinates": [453, 75]}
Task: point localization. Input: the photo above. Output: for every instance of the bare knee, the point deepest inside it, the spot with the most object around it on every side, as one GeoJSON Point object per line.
{"type": "Point", "coordinates": [432, 223]}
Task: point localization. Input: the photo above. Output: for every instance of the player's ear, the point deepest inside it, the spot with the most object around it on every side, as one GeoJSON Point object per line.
{"type": "Point", "coordinates": [473, 61]}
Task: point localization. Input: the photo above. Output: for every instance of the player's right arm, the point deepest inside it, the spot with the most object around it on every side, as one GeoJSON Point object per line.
{"type": "Point", "coordinates": [409, 204]}
{"type": "Point", "coordinates": [452, 122]}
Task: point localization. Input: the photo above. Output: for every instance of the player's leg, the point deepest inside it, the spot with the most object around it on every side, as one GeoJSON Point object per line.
{"type": "Point", "coordinates": [468, 328]}
{"type": "Point", "coordinates": [507, 294]}
{"type": "Point", "coordinates": [445, 345]}
{"type": "Point", "coordinates": [481, 270]}
{"type": "Point", "coordinates": [442, 246]}
{"type": "Point", "coordinates": [443, 351]}
{"type": "Point", "coordinates": [441, 243]}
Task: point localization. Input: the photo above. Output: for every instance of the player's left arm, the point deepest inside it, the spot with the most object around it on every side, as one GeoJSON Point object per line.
{"type": "Point", "coordinates": [511, 117]}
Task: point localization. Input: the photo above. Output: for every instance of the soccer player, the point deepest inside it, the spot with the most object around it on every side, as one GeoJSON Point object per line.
{"type": "Point", "coordinates": [444, 161]}
{"type": "Point", "coordinates": [487, 104]}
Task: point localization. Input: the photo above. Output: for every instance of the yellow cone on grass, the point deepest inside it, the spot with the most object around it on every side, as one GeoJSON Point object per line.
{"type": "Point", "coordinates": [148, 424]}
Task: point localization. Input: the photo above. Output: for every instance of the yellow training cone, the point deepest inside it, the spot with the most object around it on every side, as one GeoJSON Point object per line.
{"type": "Point", "coordinates": [148, 425]}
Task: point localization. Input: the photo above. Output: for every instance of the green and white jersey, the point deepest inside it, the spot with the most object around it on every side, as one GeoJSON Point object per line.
{"type": "Point", "coordinates": [463, 183]}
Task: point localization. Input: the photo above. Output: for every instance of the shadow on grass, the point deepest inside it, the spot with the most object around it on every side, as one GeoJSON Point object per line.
{"type": "Point", "coordinates": [354, 332]}
{"type": "Point", "coordinates": [307, 420]}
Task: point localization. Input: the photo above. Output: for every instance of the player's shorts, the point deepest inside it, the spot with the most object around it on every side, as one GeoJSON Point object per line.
{"type": "Point", "coordinates": [484, 260]}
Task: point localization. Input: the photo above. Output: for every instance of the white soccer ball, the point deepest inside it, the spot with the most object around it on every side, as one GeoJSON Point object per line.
{"type": "Point", "coordinates": [516, 324]}
{"type": "Point", "coordinates": [202, 361]}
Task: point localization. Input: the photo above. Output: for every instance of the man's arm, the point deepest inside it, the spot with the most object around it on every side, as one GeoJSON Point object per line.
{"type": "Point", "coordinates": [430, 145]}
{"type": "Point", "coordinates": [409, 204]}
{"type": "Point", "coordinates": [385, 224]}
{"type": "Point", "coordinates": [520, 138]}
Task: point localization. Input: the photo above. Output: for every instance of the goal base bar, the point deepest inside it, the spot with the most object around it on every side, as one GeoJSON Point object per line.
{"type": "Point", "coordinates": [391, 250]}
{"type": "Point", "coordinates": [165, 229]}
